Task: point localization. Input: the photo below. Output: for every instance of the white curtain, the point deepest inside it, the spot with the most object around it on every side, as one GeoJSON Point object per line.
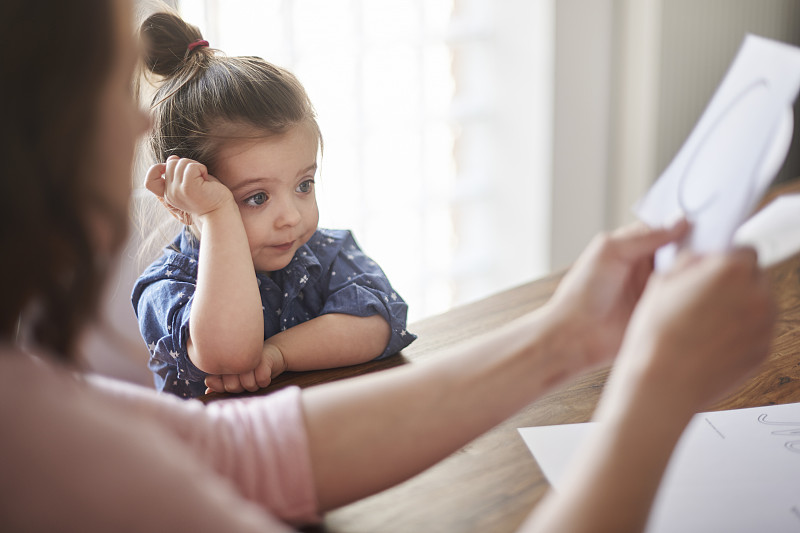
{"type": "Point", "coordinates": [436, 123]}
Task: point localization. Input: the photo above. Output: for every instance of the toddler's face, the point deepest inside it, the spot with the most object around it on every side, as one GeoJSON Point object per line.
{"type": "Point", "coordinates": [272, 181]}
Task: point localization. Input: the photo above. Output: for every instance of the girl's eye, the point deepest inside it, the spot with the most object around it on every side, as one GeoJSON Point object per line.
{"type": "Point", "coordinates": [256, 199]}
{"type": "Point", "coordinates": [306, 186]}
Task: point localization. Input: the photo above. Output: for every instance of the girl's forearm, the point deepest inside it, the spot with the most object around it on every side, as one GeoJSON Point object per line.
{"type": "Point", "coordinates": [227, 322]}
{"type": "Point", "coordinates": [400, 421]}
{"type": "Point", "coordinates": [332, 340]}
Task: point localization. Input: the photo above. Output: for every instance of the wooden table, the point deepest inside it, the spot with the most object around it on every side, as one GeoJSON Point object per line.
{"type": "Point", "coordinates": [492, 483]}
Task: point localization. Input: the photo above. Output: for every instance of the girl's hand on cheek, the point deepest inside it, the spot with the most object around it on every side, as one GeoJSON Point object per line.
{"type": "Point", "coordinates": [186, 188]}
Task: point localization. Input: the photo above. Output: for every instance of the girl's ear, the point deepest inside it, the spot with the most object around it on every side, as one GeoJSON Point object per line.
{"type": "Point", "coordinates": [182, 216]}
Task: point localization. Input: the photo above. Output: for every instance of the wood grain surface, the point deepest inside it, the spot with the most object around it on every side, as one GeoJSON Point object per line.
{"type": "Point", "coordinates": [492, 483]}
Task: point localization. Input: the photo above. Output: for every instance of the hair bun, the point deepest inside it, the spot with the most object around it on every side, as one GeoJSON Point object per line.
{"type": "Point", "coordinates": [166, 38]}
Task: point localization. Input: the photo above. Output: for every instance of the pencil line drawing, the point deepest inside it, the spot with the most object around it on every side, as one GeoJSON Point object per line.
{"type": "Point", "coordinates": [791, 445]}
{"type": "Point", "coordinates": [715, 428]}
{"type": "Point", "coordinates": [683, 183]}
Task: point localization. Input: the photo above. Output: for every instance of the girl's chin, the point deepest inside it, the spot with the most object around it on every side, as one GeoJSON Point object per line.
{"type": "Point", "coordinates": [273, 264]}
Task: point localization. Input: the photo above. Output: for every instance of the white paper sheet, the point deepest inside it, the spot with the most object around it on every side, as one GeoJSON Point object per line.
{"type": "Point", "coordinates": [733, 153]}
{"type": "Point", "coordinates": [732, 471]}
{"type": "Point", "coordinates": [774, 231]}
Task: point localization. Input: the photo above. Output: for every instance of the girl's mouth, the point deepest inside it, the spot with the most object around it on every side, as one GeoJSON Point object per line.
{"type": "Point", "coordinates": [283, 247]}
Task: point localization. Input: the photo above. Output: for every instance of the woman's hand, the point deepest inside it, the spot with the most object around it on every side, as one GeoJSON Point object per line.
{"type": "Point", "coordinates": [596, 298]}
{"type": "Point", "coordinates": [699, 330]}
{"type": "Point", "coordinates": [186, 188]}
{"type": "Point", "coordinates": [272, 364]}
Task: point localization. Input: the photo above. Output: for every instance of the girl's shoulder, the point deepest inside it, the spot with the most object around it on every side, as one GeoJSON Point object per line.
{"type": "Point", "coordinates": [178, 262]}
{"type": "Point", "coordinates": [332, 239]}
{"type": "Point", "coordinates": [328, 244]}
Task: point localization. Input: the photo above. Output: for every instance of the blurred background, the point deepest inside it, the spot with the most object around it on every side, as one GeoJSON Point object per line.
{"type": "Point", "coordinates": [474, 145]}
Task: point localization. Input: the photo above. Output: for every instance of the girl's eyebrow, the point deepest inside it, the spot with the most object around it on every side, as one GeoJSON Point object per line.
{"type": "Point", "coordinates": [246, 183]}
{"type": "Point", "coordinates": [250, 181]}
{"type": "Point", "coordinates": [311, 167]}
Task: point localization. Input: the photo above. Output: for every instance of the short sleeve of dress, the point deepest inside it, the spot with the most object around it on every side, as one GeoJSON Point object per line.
{"type": "Point", "coordinates": [359, 287]}
{"type": "Point", "coordinates": [162, 299]}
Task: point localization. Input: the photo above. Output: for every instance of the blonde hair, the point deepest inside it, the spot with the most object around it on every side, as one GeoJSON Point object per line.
{"type": "Point", "coordinates": [203, 99]}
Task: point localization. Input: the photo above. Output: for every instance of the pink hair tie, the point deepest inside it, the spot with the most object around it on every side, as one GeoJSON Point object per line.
{"type": "Point", "coordinates": [198, 42]}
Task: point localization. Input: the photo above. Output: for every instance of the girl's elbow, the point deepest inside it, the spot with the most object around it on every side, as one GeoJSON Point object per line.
{"type": "Point", "coordinates": [383, 330]}
{"type": "Point", "coordinates": [226, 358]}
{"type": "Point", "coordinates": [380, 335]}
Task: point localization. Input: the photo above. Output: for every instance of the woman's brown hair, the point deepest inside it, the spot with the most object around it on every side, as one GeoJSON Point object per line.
{"type": "Point", "coordinates": [56, 57]}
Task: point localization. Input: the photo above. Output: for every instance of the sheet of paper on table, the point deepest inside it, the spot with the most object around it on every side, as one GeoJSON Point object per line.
{"type": "Point", "coordinates": [732, 471]}
{"type": "Point", "coordinates": [733, 153]}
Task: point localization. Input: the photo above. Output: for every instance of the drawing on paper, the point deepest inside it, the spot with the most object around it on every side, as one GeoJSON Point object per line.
{"type": "Point", "coordinates": [791, 445]}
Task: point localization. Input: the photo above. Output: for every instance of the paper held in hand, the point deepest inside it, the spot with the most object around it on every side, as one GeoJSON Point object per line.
{"type": "Point", "coordinates": [732, 155]}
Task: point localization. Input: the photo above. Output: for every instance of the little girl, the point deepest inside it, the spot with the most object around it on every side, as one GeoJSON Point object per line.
{"type": "Point", "coordinates": [250, 287]}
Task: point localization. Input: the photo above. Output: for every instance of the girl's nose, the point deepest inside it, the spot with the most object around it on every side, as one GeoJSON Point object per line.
{"type": "Point", "coordinates": [288, 214]}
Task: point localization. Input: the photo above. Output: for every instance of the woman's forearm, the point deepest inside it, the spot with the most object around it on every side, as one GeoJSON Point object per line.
{"type": "Point", "coordinates": [331, 341]}
{"type": "Point", "coordinates": [612, 483]}
{"type": "Point", "coordinates": [697, 331]}
{"type": "Point", "coordinates": [227, 321]}
{"type": "Point", "coordinates": [371, 433]}
{"type": "Point", "coordinates": [367, 434]}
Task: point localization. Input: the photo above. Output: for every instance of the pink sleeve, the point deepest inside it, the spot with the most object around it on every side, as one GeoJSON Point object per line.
{"type": "Point", "coordinates": [111, 457]}
{"type": "Point", "coordinates": [259, 444]}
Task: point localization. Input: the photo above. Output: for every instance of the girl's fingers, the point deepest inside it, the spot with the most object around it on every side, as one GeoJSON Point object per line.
{"type": "Point", "coordinates": [248, 381]}
{"type": "Point", "coordinates": [214, 383]}
{"type": "Point", "coordinates": [232, 383]}
{"type": "Point", "coordinates": [154, 180]}
{"type": "Point", "coordinates": [187, 169]}
{"type": "Point", "coordinates": [171, 164]}
{"type": "Point", "coordinates": [175, 182]}
{"type": "Point", "coordinates": [179, 170]}
{"type": "Point", "coordinates": [263, 375]}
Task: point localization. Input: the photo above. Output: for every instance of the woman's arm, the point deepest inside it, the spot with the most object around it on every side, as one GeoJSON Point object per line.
{"type": "Point", "coordinates": [697, 332]}
{"type": "Point", "coordinates": [369, 433]}
{"type": "Point", "coordinates": [372, 432]}
{"type": "Point", "coordinates": [226, 323]}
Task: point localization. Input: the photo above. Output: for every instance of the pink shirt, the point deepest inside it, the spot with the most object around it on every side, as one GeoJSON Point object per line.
{"type": "Point", "coordinates": [93, 454]}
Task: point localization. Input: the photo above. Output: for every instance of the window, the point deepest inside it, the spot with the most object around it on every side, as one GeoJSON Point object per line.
{"type": "Point", "coordinates": [436, 141]}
